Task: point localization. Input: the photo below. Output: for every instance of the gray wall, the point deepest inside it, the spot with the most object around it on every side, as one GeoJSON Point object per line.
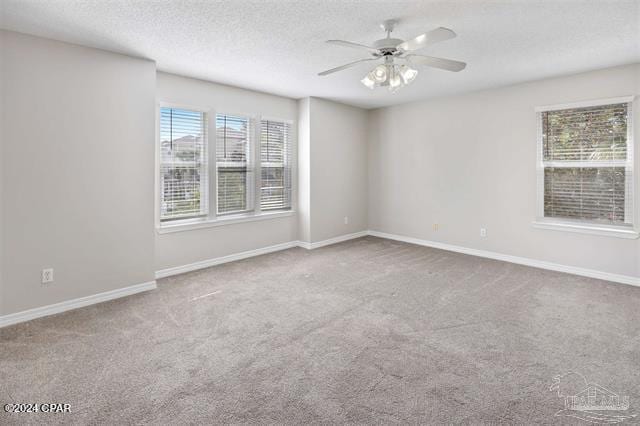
{"type": "Point", "coordinates": [2, 120]}
{"type": "Point", "coordinates": [185, 247]}
{"type": "Point", "coordinates": [78, 167]}
{"type": "Point", "coordinates": [469, 161]}
{"type": "Point", "coordinates": [339, 169]}
{"type": "Point", "coordinates": [333, 173]}
{"type": "Point", "coordinates": [304, 170]}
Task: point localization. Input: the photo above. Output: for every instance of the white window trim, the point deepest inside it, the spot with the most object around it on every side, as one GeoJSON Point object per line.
{"type": "Point", "coordinates": [212, 219]}
{"type": "Point", "coordinates": [192, 224]}
{"type": "Point", "coordinates": [585, 228]}
{"type": "Point", "coordinates": [619, 231]}
{"type": "Point", "coordinates": [586, 104]}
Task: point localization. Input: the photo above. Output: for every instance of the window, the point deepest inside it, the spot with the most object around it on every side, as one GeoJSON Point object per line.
{"type": "Point", "coordinates": [585, 163]}
{"type": "Point", "coordinates": [275, 164]}
{"type": "Point", "coordinates": [234, 165]}
{"type": "Point", "coordinates": [245, 172]}
{"type": "Point", "coordinates": [183, 164]}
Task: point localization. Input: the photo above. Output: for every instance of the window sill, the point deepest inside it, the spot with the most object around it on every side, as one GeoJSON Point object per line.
{"type": "Point", "coordinates": [603, 230]}
{"type": "Point", "coordinates": [230, 220]}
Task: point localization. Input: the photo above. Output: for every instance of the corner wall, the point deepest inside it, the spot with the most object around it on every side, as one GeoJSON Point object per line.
{"type": "Point", "coordinates": [335, 180]}
{"type": "Point", "coordinates": [304, 170]}
{"type": "Point", "coordinates": [469, 161]}
{"type": "Point", "coordinates": [77, 171]}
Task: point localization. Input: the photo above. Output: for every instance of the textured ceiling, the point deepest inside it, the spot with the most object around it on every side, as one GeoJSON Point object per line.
{"type": "Point", "coordinates": [278, 46]}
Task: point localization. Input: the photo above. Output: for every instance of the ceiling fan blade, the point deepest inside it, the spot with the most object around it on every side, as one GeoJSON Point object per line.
{"type": "Point", "coordinates": [431, 37]}
{"type": "Point", "coordinates": [353, 45]}
{"type": "Point", "coordinates": [430, 61]}
{"type": "Point", "coordinates": [349, 65]}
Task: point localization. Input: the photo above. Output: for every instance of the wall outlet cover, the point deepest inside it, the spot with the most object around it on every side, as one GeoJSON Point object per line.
{"type": "Point", "coordinates": [47, 275]}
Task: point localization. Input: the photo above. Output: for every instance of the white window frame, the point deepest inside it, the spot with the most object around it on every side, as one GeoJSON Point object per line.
{"type": "Point", "coordinates": [620, 231]}
{"type": "Point", "coordinates": [293, 157]}
{"type": "Point", "coordinates": [158, 165]}
{"type": "Point", "coordinates": [254, 122]}
{"type": "Point", "coordinates": [212, 219]}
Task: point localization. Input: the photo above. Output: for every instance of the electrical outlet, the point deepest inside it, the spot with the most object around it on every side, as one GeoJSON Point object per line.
{"type": "Point", "coordinates": [47, 275]}
{"type": "Point", "coordinates": [346, 220]}
{"type": "Point", "coordinates": [436, 226]}
{"type": "Point", "coordinates": [483, 232]}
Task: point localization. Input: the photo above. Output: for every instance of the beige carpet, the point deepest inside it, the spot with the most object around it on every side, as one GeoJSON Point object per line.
{"type": "Point", "coordinates": [366, 331]}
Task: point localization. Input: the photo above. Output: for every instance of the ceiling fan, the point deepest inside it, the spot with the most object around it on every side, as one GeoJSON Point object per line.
{"type": "Point", "coordinates": [397, 70]}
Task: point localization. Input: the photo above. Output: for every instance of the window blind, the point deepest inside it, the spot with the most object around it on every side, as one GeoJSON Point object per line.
{"type": "Point", "coordinates": [234, 165]}
{"type": "Point", "coordinates": [587, 163]}
{"type": "Point", "coordinates": [275, 165]}
{"type": "Point", "coordinates": [183, 164]}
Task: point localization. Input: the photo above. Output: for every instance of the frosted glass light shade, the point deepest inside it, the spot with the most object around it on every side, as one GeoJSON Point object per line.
{"type": "Point", "coordinates": [380, 73]}
{"type": "Point", "coordinates": [408, 74]}
{"type": "Point", "coordinates": [368, 81]}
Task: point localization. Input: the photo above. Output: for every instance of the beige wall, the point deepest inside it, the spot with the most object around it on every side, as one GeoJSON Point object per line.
{"type": "Point", "coordinates": [469, 161]}
{"type": "Point", "coordinates": [78, 139]}
{"type": "Point", "coordinates": [333, 173]}
{"type": "Point", "coordinates": [185, 247]}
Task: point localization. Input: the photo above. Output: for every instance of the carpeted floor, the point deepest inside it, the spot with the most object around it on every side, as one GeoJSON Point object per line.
{"type": "Point", "coordinates": [366, 331]}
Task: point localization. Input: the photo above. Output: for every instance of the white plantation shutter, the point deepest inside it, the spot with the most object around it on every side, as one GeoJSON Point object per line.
{"type": "Point", "coordinates": [275, 165]}
{"type": "Point", "coordinates": [234, 164]}
{"type": "Point", "coordinates": [183, 164]}
{"type": "Point", "coordinates": [587, 163]}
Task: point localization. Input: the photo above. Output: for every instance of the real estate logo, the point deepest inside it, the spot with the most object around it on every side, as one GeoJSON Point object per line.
{"type": "Point", "coordinates": [589, 401]}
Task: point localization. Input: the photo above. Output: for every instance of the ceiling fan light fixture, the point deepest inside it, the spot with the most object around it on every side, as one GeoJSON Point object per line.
{"type": "Point", "coordinates": [393, 75]}
{"type": "Point", "coordinates": [395, 78]}
{"type": "Point", "coordinates": [408, 74]}
{"type": "Point", "coordinates": [395, 81]}
{"type": "Point", "coordinates": [368, 81]}
{"type": "Point", "coordinates": [380, 73]}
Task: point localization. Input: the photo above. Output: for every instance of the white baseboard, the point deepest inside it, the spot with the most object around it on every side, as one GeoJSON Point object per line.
{"type": "Point", "coordinates": [127, 291]}
{"type": "Point", "coordinates": [334, 240]}
{"type": "Point", "coordinates": [57, 308]}
{"type": "Point", "coordinates": [591, 273]}
{"type": "Point", "coordinates": [163, 273]}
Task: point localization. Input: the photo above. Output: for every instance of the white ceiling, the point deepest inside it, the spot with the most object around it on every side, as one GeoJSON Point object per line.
{"type": "Point", "coordinates": [278, 46]}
